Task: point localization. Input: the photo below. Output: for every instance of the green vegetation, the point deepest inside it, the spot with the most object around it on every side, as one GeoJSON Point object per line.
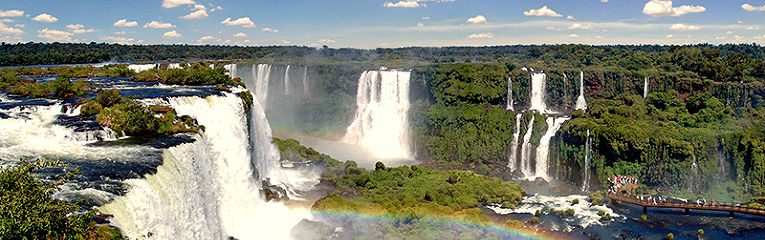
{"type": "Point", "coordinates": [195, 74]}
{"type": "Point", "coordinates": [247, 100]}
{"type": "Point", "coordinates": [291, 150]}
{"type": "Point", "coordinates": [60, 88]}
{"type": "Point", "coordinates": [133, 118]}
{"type": "Point", "coordinates": [28, 211]}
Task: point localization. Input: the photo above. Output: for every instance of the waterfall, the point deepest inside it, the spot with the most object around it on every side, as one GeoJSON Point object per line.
{"type": "Point", "coordinates": [543, 150]}
{"type": "Point", "coordinates": [261, 74]}
{"type": "Point", "coordinates": [514, 150]}
{"type": "Point", "coordinates": [305, 81]}
{"type": "Point", "coordinates": [581, 103]}
{"type": "Point", "coordinates": [381, 123]}
{"type": "Point", "coordinates": [205, 189]}
{"type": "Point", "coordinates": [538, 82]}
{"type": "Point", "coordinates": [230, 69]}
{"type": "Point", "coordinates": [509, 105]}
{"type": "Point", "coordinates": [526, 149]}
{"type": "Point", "coordinates": [287, 81]}
{"type": "Point", "coordinates": [645, 88]}
{"type": "Point", "coordinates": [141, 67]}
{"type": "Point", "coordinates": [586, 167]}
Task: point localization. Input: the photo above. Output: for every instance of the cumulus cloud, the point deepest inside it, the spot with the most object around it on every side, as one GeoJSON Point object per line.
{"type": "Point", "coordinates": [171, 34]}
{"type": "Point", "coordinates": [571, 17]}
{"type": "Point", "coordinates": [45, 18]}
{"type": "Point", "coordinates": [125, 23]}
{"type": "Point", "coordinates": [580, 26]}
{"type": "Point", "coordinates": [206, 39]}
{"type": "Point", "coordinates": [419, 24]}
{"type": "Point", "coordinates": [240, 35]}
{"type": "Point", "coordinates": [79, 28]}
{"type": "Point", "coordinates": [477, 20]}
{"type": "Point", "coordinates": [327, 41]}
{"type": "Point", "coordinates": [7, 20]}
{"type": "Point", "coordinates": [684, 27]}
{"type": "Point", "coordinates": [670, 36]}
{"type": "Point", "coordinates": [8, 30]}
{"type": "Point", "coordinates": [750, 8]}
{"type": "Point", "coordinates": [11, 13]}
{"type": "Point", "coordinates": [480, 36]}
{"type": "Point", "coordinates": [175, 3]}
{"type": "Point", "coordinates": [198, 14]}
{"type": "Point", "coordinates": [552, 28]}
{"type": "Point", "coordinates": [573, 36]}
{"type": "Point", "coordinates": [244, 22]}
{"type": "Point", "coordinates": [158, 24]}
{"type": "Point", "coordinates": [542, 12]}
{"type": "Point", "coordinates": [55, 35]}
{"type": "Point", "coordinates": [403, 4]}
{"type": "Point", "coordinates": [271, 30]}
{"type": "Point", "coordinates": [659, 8]}
{"type": "Point", "coordinates": [120, 40]}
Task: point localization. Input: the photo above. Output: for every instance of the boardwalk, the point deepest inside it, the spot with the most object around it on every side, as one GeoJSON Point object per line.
{"type": "Point", "coordinates": [685, 206]}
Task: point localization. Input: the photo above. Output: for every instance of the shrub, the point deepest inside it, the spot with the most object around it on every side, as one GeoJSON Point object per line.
{"type": "Point", "coordinates": [108, 98]}
{"type": "Point", "coordinates": [90, 108]}
{"type": "Point", "coordinates": [534, 220]}
{"type": "Point", "coordinates": [670, 236]}
{"type": "Point", "coordinates": [129, 117]}
{"type": "Point", "coordinates": [569, 212]}
{"type": "Point", "coordinates": [379, 166]}
{"type": "Point", "coordinates": [575, 201]}
{"type": "Point", "coordinates": [644, 217]}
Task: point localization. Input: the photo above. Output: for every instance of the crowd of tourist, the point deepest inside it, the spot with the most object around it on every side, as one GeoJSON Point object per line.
{"type": "Point", "coordinates": [619, 181]}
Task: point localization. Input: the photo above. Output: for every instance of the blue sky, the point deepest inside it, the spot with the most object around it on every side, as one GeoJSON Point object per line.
{"type": "Point", "coordinates": [381, 23]}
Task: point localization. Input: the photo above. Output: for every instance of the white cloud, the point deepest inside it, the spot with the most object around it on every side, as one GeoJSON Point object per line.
{"type": "Point", "coordinates": [419, 24]}
{"type": "Point", "coordinates": [480, 19]}
{"type": "Point", "coordinates": [7, 20]}
{"type": "Point", "coordinates": [753, 28]}
{"type": "Point", "coordinates": [658, 8]}
{"type": "Point", "coordinates": [244, 22]}
{"type": "Point", "coordinates": [120, 33]}
{"type": "Point", "coordinates": [285, 41]}
{"type": "Point", "coordinates": [240, 35]}
{"type": "Point", "coordinates": [403, 4]}
{"type": "Point", "coordinates": [200, 7]}
{"type": "Point", "coordinates": [55, 35]}
{"type": "Point", "coordinates": [45, 18]}
{"type": "Point", "coordinates": [271, 30]}
{"type": "Point", "coordinates": [8, 30]}
{"type": "Point", "coordinates": [125, 23]}
{"type": "Point", "coordinates": [670, 36]}
{"type": "Point", "coordinates": [425, 18]}
{"type": "Point", "coordinates": [480, 36]}
{"type": "Point", "coordinates": [571, 17]}
{"type": "Point", "coordinates": [580, 26]}
{"type": "Point", "coordinates": [750, 8]}
{"type": "Point", "coordinates": [79, 28]}
{"type": "Point", "coordinates": [171, 34]}
{"type": "Point", "coordinates": [175, 3]}
{"type": "Point", "coordinates": [327, 41]}
{"type": "Point", "coordinates": [542, 12]}
{"type": "Point", "coordinates": [11, 13]}
{"type": "Point", "coordinates": [573, 36]}
{"type": "Point", "coordinates": [604, 1]}
{"type": "Point", "coordinates": [738, 38]}
{"type": "Point", "coordinates": [158, 24]}
{"type": "Point", "coordinates": [206, 39]}
{"type": "Point", "coordinates": [120, 40]}
{"type": "Point", "coordinates": [684, 27]}
{"type": "Point", "coordinates": [552, 28]}
{"type": "Point", "coordinates": [198, 14]}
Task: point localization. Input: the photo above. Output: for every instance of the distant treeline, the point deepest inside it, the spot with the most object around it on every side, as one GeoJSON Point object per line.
{"type": "Point", "coordinates": [714, 62]}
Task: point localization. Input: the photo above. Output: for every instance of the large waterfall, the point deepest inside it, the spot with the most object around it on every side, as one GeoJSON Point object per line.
{"type": "Point", "coordinates": [543, 150]}
{"type": "Point", "coordinates": [586, 166]}
{"type": "Point", "coordinates": [205, 189]}
{"type": "Point", "coordinates": [261, 75]}
{"type": "Point", "coordinates": [526, 149]}
{"type": "Point", "coordinates": [509, 104]}
{"type": "Point", "coordinates": [382, 115]}
{"type": "Point", "coordinates": [230, 70]}
{"type": "Point", "coordinates": [287, 81]}
{"type": "Point", "coordinates": [514, 150]}
{"type": "Point", "coordinates": [538, 82]}
{"type": "Point", "coordinates": [581, 103]}
{"type": "Point", "coordinates": [645, 88]}
{"type": "Point", "coordinates": [305, 81]}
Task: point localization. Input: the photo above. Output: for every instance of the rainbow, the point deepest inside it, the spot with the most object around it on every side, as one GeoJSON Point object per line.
{"type": "Point", "coordinates": [503, 232]}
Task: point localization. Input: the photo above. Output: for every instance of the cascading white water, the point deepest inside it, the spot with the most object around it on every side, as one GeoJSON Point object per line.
{"type": "Point", "coordinates": [509, 105]}
{"type": "Point", "coordinates": [526, 149]}
{"type": "Point", "coordinates": [586, 167]}
{"type": "Point", "coordinates": [581, 103]}
{"type": "Point", "coordinates": [205, 189]}
{"type": "Point", "coordinates": [230, 70]}
{"type": "Point", "coordinates": [173, 66]}
{"type": "Point", "coordinates": [538, 82]}
{"type": "Point", "coordinates": [141, 67]}
{"type": "Point", "coordinates": [645, 87]}
{"type": "Point", "coordinates": [287, 81]}
{"type": "Point", "coordinates": [585, 212]}
{"type": "Point", "coordinates": [305, 81]}
{"type": "Point", "coordinates": [261, 74]}
{"type": "Point", "coordinates": [382, 115]}
{"type": "Point", "coordinates": [543, 150]}
{"type": "Point", "coordinates": [514, 150]}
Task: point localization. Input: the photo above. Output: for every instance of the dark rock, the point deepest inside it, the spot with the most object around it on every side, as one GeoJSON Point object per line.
{"type": "Point", "coordinates": [273, 192]}
{"type": "Point", "coordinates": [103, 218]}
